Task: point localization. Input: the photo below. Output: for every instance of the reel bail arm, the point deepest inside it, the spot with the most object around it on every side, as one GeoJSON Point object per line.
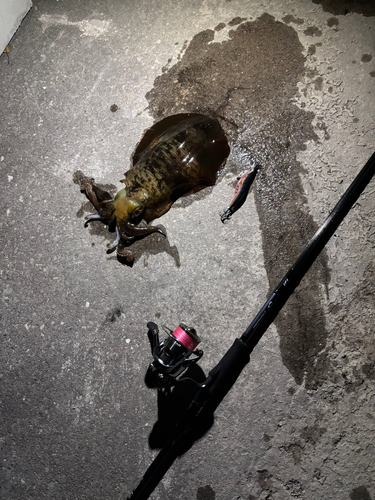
{"type": "Point", "coordinates": [172, 355]}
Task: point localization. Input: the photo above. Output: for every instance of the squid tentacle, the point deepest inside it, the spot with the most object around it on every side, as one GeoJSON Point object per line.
{"type": "Point", "coordinates": [132, 230]}
{"type": "Point", "coordinates": [102, 201]}
{"type": "Point", "coordinates": [123, 252]}
{"type": "Point", "coordinates": [113, 245]}
{"type": "Point", "coordinates": [123, 233]}
{"type": "Point", "coordinates": [93, 217]}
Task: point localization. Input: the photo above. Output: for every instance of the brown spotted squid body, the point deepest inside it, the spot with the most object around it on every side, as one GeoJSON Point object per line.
{"type": "Point", "coordinates": [177, 156]}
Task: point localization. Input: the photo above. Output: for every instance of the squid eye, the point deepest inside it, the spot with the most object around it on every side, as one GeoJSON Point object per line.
{"type": "Point", "coordinates": [137, 212]}
{"type": "Point", "coordinates": [135, 208]}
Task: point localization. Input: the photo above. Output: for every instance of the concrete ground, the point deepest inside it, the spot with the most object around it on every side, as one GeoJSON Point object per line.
{"type": "Point", "coordinates": [292, 84]}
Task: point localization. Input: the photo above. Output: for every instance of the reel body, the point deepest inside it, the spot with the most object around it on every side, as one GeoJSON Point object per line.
{"type": "Point", "coordinates": [172, 356]}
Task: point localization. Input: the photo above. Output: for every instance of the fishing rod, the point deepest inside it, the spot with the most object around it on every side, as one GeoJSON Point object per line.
{"type": "Point", "coordinates": [173, 355]}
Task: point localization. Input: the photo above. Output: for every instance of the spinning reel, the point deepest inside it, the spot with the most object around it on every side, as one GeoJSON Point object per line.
{"type": "Point", "coordinates": [172, 355]}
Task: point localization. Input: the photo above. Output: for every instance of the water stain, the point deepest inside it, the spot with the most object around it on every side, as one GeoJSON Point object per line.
{"type": "Point", "coordinates": [114, 314]}
{"type": "Point", "coordinates": [311, 50]}
{"type": "Point", "coordinates": [220, 27]}
{"type": "Point", "coordinates": [249, 83]}
{"type": "Point", "coordinates": [360, 493]}
{"type": "Point", "coordinates": [366, 58]}
{"type": "Point", "coordinates": [344, 7]}
{"type": "Point", "coordinates": [265, 479]}
{"type": "Point", "coordinates": [359, 340]}
{"type": "Point", "coordinates": [291, 19]}
{"type": "Point", "coordinates": [294, 487]}
{"type": "Point", "coordinates": [309, 435]}
{"type": "Point", "coordinates": [313, 31]}
{"type": "Point", "coordinates": [368, 370]}
{"type": "Point", "coordinates": [318, 84]}
{"type": "Point", "coordinates": [206, 493]}
{"type": "Point", "coordinates": [236, 21]}
{"type": "Point", "coordinates": [312, 434]}
{"type": "Point", "coordinates": [295, 450]}
{"type": "Point", "coordinates": [332, 21]}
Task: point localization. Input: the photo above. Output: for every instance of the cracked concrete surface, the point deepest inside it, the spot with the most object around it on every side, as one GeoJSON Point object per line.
{"type": "Point", "coordinates": [293, 86]}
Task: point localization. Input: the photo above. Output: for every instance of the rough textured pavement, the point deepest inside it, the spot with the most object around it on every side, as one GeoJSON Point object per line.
{"type": "Point", "coordinates": [292, 84]}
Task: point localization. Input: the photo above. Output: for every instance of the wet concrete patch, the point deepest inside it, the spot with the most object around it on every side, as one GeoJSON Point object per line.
{"type": "Point", "coordinates": [291, 19]}
{"type": "Point", "coordinates": [346, 373]}
{"type": "Point", "coordinates": [249, 82]}
{"type": "Point", "coordinates": [311, 50]}
{"type": "Point", "coordinates": [236, 21]}
{"type": "Point", "coordinates": [366, 58]}
{"type": "Point", "coordinates": [360, 493]}
{"type": "Point", "coordinates": [265, 479]}
{"type": "Point", "coordinates": [114, 314]}
{"type": "Point", "coordinates": [332, 21]}
{"type": "Point", "coordinates": [206, 493]}
{"type": "Point", "coordinates": [294, 488]}
{"type": "Point", "coordinates": [344, 7]}
{"type": "Point", "coordinates": [309, 436]}
{"type": "Point", "coordinates": [313, 31]}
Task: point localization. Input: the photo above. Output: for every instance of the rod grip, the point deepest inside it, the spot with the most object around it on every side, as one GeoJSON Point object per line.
{"type": "Point", "coordinates": [230, 367]}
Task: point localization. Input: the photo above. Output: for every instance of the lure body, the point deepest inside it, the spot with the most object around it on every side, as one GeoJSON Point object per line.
{"type": "Point", "coordinates": [240, 193]}
{"type": "Point", "coordinates": [177, 156]}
